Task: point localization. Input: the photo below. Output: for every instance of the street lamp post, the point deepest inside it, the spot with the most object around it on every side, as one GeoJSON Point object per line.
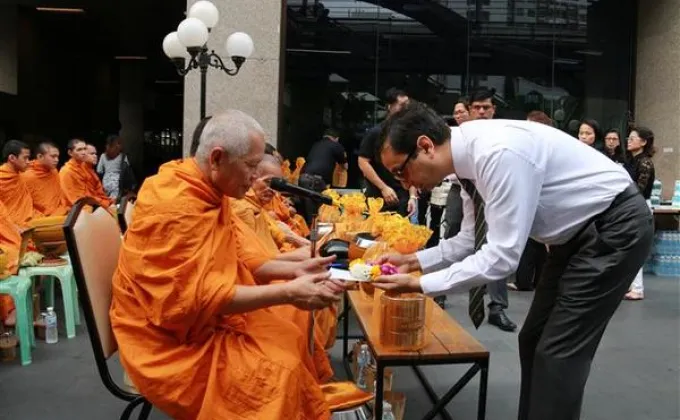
{"type": "Point", "coordinates": [189, 42]}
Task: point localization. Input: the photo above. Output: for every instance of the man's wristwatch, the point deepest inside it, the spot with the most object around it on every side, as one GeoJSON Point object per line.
{"type": "Point", "coordinates": [413, 197]}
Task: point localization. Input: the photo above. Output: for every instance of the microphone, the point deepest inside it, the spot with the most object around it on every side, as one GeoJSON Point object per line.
{"type": "Point", "coordinates": [281, 185]}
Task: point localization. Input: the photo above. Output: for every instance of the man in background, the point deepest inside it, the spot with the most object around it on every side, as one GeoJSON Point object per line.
{"type": "Point", "coordinates": [324, 155]}
{"type": "Point", "coordinates": [379, 181]}
{"type": "Point", "coordinates": [482, 108]}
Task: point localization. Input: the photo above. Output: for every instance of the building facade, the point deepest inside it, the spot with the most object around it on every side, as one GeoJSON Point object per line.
{"type": "Point", "coordinates": [320, 64]}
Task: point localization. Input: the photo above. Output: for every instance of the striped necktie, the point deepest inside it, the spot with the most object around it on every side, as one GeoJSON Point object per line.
{"type": "Point", "coordinates": [476, 302]}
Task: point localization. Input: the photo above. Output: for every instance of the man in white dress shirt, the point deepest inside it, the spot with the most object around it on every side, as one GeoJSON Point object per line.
{"type": "Point", "coordinates": [527, 180]}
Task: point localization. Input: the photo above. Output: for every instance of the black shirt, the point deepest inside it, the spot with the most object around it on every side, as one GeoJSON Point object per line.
{"type": "Point", "coordinates": [369, 150]}
{"type": "Point", "coordinates": [322, 158]}
{"type": "Point", "coordinates": [641, 169]}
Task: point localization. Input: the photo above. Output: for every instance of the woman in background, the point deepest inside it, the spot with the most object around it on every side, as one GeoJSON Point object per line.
{"type": "Point", "coordinates": [612, 146]}
{"type": "Point", "coordinates": [590, 133]}
{"type": "Point", "coordinates": [641, 169]}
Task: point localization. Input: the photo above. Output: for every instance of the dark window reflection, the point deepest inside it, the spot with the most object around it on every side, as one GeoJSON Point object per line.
{"type": "Point", "coordinates": [570, 59]}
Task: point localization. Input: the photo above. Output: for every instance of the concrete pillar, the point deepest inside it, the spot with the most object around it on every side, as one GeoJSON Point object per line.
{"type": "Point", "coordinates": [131, 111]}
{"type": "Point", "coordinates": [8, 49]}
{"type": "Point", "coordinates": [657, 93]}
{"type": "Point", "coordinates": [255, 90]}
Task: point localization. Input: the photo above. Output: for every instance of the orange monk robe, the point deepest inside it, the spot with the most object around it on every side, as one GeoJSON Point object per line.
{"type": "Point", "coordinates": [251, 212]}
{"type": "Point", "coordinates": [16, 197]}
{"type": "Point", "coordinates": [10, 244]}
{"type": "Point", "coordinates": [251, 251]}
{"type": "Point", "coordinates": [280, 208]}
{"type": "Point", "coordinates": [78, 180]}
{"type": "Point", "coordinates": [45, 189]}
{"type": "Point", "coordinates": [179, 266]}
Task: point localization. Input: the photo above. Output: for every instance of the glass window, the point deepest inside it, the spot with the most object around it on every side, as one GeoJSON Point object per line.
{"type": "Point", "coordinates": [571, 59]}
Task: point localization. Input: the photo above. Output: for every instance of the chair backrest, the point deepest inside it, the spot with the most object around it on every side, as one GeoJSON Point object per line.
{"type": "Point", "coordinates": [94, 242]}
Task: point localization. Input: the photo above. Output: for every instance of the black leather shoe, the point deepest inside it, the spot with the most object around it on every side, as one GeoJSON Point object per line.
{"type": "Point", "coordinates": [501, 320]}
{"type": "Point", "coordinates": [441, 301]}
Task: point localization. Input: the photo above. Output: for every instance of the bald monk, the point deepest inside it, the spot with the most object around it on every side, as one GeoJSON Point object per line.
{"type": "Point", "coordinates": [42, 180]}
{"type": "Point", "coordinates": [253, 212]}
{"type": "Point", "coordinates": [78, 178]}
{"type": "Point", "coordinates": [10, 244]}
{"type": "Point", "coordinates": [195, 330]}
{"type": "Point", "coordinates": [14, 192]}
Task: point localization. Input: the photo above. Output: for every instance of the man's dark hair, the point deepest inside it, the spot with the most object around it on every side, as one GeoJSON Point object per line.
{"type": "Point", "coordinates": [331, 132]}
{"type": "Point", "coordinates": [414, 120]}
{"type": "Point", "coordinates": [112, 139]}
{"type": "Point", "coordinates": [72, 143]}
{"type": "Point", "coordinates": [13, 148]}
{"type": "Point", "coordinates": [463, 100]}
{"type": "Point", "coordinates": [482, 95]}
{"type": "Point", "coordinates": [196, 138]}
{"type": "Point", "coordinates": [648, 136]}
{"type": "Point", "coordinates": [44, 147]}
{"type": "Point", "coordinates": [392, 95]}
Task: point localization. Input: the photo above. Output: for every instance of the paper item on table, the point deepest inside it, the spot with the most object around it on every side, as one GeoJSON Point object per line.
{"type": "Point", "coordinates": [345, 275]}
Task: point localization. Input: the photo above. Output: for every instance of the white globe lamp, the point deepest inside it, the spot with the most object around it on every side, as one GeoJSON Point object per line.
{"type": "Point", "coordinates": [206, 12]}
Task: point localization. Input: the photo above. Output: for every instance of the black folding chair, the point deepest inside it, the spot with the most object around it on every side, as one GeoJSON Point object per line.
{"type": "Point", "coordinates": [94, 241]}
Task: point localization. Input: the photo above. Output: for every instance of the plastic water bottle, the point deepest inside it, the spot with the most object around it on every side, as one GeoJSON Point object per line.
{"type": "Point", "coordinates": [387, 411]}
{"type": "Point", "coordinates": [51, 335]}
{"type": "Point", "coordinates": [363, 361]}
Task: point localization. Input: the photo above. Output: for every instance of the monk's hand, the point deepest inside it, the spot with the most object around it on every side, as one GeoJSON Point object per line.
{"type": "Point", "coordinates": [312, 291]}
{"type": "Point", "coordinates": [404, 263]}
{"type": "Point", "coordinates": [399, 283]}
{"type": "Point", "coordinates": [314, 266]}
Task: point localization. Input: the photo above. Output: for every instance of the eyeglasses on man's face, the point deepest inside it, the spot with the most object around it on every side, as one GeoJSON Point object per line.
{"type": "Point", "coordinates": [399, 172]}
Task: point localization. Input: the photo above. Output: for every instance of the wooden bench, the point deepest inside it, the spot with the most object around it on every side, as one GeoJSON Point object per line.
{"type": "Point", "coordinates": [448, 344]}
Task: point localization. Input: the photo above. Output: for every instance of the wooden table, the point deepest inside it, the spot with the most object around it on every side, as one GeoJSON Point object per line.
{"type": "Point", "coordinates": [448, 344]}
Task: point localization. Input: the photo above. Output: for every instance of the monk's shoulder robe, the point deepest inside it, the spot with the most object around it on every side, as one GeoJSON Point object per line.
{"type": "Point", "coordinates": [253, 253]}
{"type": "Point", "coordinates": [177, 270]}
{"type": "Point", "coordinates": [45, 189]}
{"type": "Point", "coordinates": [251, 213]}
{"type": "Point", "coordinates": [296, 222]}
{"type": "Point", "coordinates": [76, 180]}
{"type": "Point", "coordinates": [10, 244]}
{"type": "Point", "coordinates": [16, 197]}
{"type": "Point", "coordinates": [96, 188]}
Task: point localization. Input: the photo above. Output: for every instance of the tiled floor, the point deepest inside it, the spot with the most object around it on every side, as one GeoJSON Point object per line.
{"type": "Point", "coordinates": [635, 375]}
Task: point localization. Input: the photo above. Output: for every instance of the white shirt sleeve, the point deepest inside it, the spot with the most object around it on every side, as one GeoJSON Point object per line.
{"type": "Point", "coordinates": [511, 185]}
{"type": "Point", "coordinates": [453, 249]}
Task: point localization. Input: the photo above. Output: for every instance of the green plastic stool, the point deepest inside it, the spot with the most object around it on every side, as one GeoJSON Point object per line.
{"type": "Point", "coordinates": [19, 288]}
{"type": "Point", "coordinates": [69, 292]}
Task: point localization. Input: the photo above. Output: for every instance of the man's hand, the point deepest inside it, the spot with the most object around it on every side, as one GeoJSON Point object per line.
{"type": "Point", "coordinates": [412, 206]}
{"type": "Point", "coordinates": [404, 263]}
{"type": "Point", "coordinates": [313, 266]}
{"type": "Point", "coordinates": [400, 283]}
{"type": "Point", "coordinates": [314, 291]}
{"type": "Point", "coordinates": [389, 195]}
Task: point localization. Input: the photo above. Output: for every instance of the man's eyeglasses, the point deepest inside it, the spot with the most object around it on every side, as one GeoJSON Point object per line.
{"type": "Point", "coordinates": [399, 172]}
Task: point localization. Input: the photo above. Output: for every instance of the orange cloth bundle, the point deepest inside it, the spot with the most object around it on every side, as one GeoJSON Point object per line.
{"type": "Point", "coordinates": [294, 175]}
{"type": "Point", "coordinates": [398, 231]}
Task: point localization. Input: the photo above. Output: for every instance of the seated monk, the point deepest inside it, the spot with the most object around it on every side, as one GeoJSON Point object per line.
{"type": "Point", "coordinates": [252, 211]}
{"type": "Point", "coordinates": [14, 192]}
{"type": "Point", "coordinates": [196, 333]}
{"type": "Point", "coordinates": [282, 208]}
{"type": "Point", "coordinates": [42, 180]}
{"type": "Point", "coordinates": [10, 245]}
{"type": "Point", "coordinates": [78, 178]}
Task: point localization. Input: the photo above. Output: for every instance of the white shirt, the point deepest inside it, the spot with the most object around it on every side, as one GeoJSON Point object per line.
{"type": "Point", "coordinates": [536, 181]}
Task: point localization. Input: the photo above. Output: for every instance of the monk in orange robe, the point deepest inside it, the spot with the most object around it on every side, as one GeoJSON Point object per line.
{"type": "Point", "coordinates": [252, 211]}
{"type": "Point", "coordinates": [196, 332]}
{"type": "Point", "coordinates": [42, 180]}
{"type": "Point", "coordinates": [78, 178]}
{"type": "Point", "coordinates": [13, 190]}
{"type": "Point", "coordinates": [10, 244]}
{"type": "Point", "coordinates": [280, 208]}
